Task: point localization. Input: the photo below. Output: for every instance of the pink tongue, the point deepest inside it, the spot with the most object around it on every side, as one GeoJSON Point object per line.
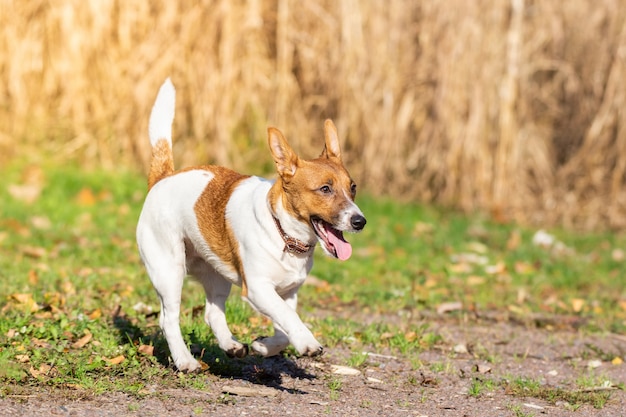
{"type": "Point", "coordinates": [343, 248]}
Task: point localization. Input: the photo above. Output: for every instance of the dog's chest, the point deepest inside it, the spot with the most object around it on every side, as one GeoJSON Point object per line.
{"type": "Point", "coordinates": [295, 269]}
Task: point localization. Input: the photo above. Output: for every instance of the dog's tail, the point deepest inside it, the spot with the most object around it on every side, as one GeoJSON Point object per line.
{"type": "Point", "coordinates": [160, 130]}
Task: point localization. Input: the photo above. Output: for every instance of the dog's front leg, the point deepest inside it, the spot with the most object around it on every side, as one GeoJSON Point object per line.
{"type": "Point", "coordinates": [270, 346]}
{"type": "Point", "coordinates": [288, 328]}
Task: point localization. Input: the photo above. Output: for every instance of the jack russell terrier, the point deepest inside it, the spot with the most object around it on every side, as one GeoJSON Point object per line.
{"type": "Point", "coordinates": [227, 228]}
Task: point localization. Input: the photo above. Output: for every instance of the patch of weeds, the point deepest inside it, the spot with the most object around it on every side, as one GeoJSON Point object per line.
{"type": "Point", "coordinates": [437, 366]}
{"type": "Point", "coordinates": [518, 411]}
{"type": "Point", "coordinates": [404, 403]}
{"type": "Point", "coordinates": [334, 385]}
{"type": "Point", "coordinates": [478, 387]}
{"type": "Point", "coordinates": [226, 399]}
{"type": "Point", "coordinates": [593, 351]}
{"type": "Point", "coordinates": [524, 387]}
{"type": "Point", "coordinates": [336, 331]}
{"type": "Point", "coordinates": [358, 359]}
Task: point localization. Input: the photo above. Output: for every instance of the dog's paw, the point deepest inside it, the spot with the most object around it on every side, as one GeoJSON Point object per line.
{"type": "Point", "coordinates": [238, 350]}
{"type": "Point", "coordinates": [310, 349]}
{"type": "Point", "coordinates": [188, 366]}
{"type": "Point", "coordinates": [269, 346]}
{"type": "Point", "coordinates": [319, 350]}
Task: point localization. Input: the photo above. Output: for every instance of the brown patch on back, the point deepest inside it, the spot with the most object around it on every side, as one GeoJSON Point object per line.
{"type": "Point", "coordinates": [210, 211]}
{"type": "Point", "coordinates": [162, 163]}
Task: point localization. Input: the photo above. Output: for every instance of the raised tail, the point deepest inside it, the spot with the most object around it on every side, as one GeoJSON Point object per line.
{"type": "Point", "coordinates": [160, 130]}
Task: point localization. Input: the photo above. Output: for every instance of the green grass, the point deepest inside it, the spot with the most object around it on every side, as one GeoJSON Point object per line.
{"type": "Point", "coordinates": [70, 270]}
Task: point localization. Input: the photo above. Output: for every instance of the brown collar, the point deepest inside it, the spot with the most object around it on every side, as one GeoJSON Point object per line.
{"type": "Point", "coordinates": [292, 245]}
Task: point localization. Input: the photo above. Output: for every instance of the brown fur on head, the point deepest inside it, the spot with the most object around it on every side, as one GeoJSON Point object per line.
{"type": "Point", "coordinates": [317, 188]}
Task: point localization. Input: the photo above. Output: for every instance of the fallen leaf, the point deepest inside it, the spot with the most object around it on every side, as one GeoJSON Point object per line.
{"type": "Point", "coordinates": [80, 343]}
{"type": "Point", "coordinates": [524, 267]}
{"type": "Point", "coordinates": [498, 268]}
{"type": "Point", "coordinates": [410, 336]}
{"type": "Point", "coordinates": [470, 258]}
{"type": "Point", "coordinates": [422, 228]}
{"type": "Point", "coordinates": [618, 255]}
{"type": "Point", "coordinates": [461, 268]}
{"type": "Point", "coordinates": [27, 193]}
{"type": "Point", "coordinates": [86, 197]}
{"type": "Point", "coordinates": [96, 314]}
{"type": "Point", "coordinates": [477, 247]}
{"type": "Point", "coordinates": [431, 282]}
{"type": "Point", "coordinates": [116, 360]}
{"type": "Point", "coordinates": [617, 361]}
{"type": "Point", "coordinates": [33, 278]}
{"type": "Point", "coordinates": [33, 251]}
{"type": "Point", "coordinates": [475, 280]}
{"type": "Point", "coordinates": [44, 370]}
{"type": "Point", "coordinates": [577, 304]}
{"type": "Point", "coordinates": [40, 343]}
{"type": "Point", "coordinates": [514, 240]}
{"type": "Point", "coordinates": [54, 299]}
{"type": "Point", "coordinates": [41, 222]}
{"type": "Point", "coordinates": [22, 358]}
{"type": "Point", "coordinates": [24, 302]}
{"type": "Point", "coordinates": [147, 350]}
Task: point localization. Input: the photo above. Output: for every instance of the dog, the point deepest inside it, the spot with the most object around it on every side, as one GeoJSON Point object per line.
{"type": "Point", "coordinates": [225, 228]}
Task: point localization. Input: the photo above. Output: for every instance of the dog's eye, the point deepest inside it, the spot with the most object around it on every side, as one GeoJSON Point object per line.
{"type": "Point", "coordinates": [353, 189]}
{"type": "Point", "coordinates": [326, 189]}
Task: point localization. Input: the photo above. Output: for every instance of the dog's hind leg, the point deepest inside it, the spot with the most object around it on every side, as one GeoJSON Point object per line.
{"type": "Point", "coordinates": [165, 264]}
{"type": "Point", "coordinates": [217, 290]}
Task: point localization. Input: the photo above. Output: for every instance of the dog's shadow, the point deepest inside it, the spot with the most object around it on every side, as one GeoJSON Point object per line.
{"type": "Point", "coordinates": [254, 369]}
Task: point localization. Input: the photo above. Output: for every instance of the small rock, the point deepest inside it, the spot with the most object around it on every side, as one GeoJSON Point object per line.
{"type": "Point", "coordinates": [344, 370]}
{"type": "Point", "coordinates": [460, 348]}
{"type": "Point", "coordinates": [482, 368]}
{"type": "Point", "coordinates": [249, 391]}
{"type": "Point", "coordinates": [596, 363]}
{"type": "Point", "coordinates": [448, 307]}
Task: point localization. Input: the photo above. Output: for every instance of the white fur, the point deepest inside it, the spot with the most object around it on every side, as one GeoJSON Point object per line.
{"type": "Point", "coordinates": [273, 277]}
{"type": "Point", "coordinates": [172, 245]}
{"type": "Point", "coordinates": [162, 115]}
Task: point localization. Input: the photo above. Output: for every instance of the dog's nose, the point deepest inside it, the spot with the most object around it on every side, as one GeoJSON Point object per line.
{"type": "Point", "coordinates": [358, 222]}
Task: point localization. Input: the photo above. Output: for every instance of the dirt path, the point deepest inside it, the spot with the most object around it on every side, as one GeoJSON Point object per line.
{"type": "Point", "coordinates": [466, 375]}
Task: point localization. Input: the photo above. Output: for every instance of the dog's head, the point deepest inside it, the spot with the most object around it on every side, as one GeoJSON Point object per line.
{"type": "Point", "coordinates": [319, 192]}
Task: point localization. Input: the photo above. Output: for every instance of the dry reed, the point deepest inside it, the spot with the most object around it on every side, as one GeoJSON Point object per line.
{"type": "Point", "coordinates": [514, 107]}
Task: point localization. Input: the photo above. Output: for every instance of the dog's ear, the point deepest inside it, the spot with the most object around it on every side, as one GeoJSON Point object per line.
{"type": "Point", "coordinates": [331, 148]}
{"type": "Point", "coordinates": [285, 158]}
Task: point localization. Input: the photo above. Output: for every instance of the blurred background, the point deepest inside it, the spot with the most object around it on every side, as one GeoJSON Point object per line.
{"type": "Point", "coordinates": [516, 108]}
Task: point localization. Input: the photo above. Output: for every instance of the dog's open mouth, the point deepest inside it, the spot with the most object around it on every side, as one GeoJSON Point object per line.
{"type": "Point", "coordinates": [332, 239]}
